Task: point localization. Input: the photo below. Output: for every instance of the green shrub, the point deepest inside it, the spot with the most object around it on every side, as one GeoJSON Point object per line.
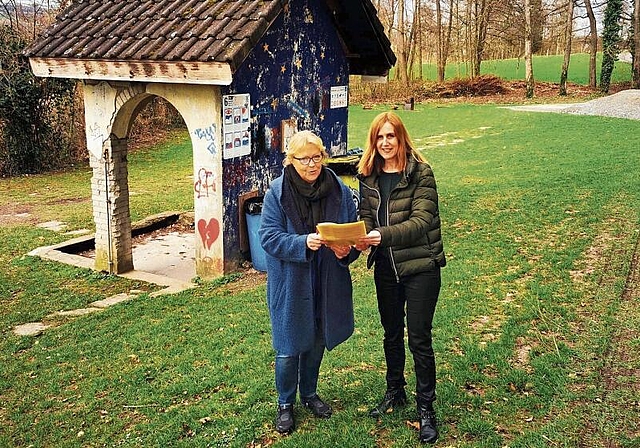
{"type": "Point", "coordinates": [35, 114]}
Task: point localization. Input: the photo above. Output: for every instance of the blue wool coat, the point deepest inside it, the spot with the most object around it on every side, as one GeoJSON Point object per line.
{"type": "Point", "coordinates": [291, 273]}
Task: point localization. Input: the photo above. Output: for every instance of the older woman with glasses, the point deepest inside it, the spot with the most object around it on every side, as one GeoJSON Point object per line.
{"type": "Point", "coordinates": [309, 292]}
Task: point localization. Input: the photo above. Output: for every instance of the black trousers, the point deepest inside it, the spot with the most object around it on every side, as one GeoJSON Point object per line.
{"type": "Point", "coordinates": [418, 294]}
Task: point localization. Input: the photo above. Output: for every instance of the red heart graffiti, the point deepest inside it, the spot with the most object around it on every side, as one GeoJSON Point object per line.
{"type": "Point", "coordinates": [209, 232]}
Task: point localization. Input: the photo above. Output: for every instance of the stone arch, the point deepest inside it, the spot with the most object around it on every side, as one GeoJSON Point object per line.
{"type": "Point", "coordinates": [110, 110]}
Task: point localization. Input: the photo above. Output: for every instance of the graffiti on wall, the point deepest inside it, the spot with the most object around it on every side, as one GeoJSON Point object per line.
{"type": "Point", "coordinates": [209, 231]}
{"type": "Point", "coordinates": [205, 183]}
{"type": "Point", "coordinates": [209, 136]}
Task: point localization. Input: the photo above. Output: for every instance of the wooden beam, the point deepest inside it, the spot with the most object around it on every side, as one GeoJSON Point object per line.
{"type": "Point", "coordinates": [212, 73]}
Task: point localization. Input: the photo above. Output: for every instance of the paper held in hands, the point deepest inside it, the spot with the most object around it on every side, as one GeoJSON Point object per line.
{"type": "Point", "coordinates": [342, 234]}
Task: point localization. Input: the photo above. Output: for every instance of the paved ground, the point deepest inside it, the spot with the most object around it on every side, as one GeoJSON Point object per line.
{"type": "Point", "coordinates": [170, 255]}
{"type": "Point", "coordinates": [165, 256]}
{"type": "Point", "coordinates": [624, 104]}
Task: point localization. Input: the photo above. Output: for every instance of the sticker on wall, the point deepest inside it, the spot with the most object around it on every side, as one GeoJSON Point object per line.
{"type": "Point", "coordinates": [288, 128]}
{"type": "Point", "coordinates": [339, 97]}
{"type": "Point", "coordinates": [236, 125]}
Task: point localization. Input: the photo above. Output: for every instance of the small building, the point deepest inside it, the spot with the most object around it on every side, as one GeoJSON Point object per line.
{"type": "Point", "coordinates": [244, 75]}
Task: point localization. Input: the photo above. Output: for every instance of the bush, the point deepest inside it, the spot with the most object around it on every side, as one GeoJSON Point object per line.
{"type": "Point", "coordinates": [397, 92]}
{"type": "Point", "coordinates": [36, 115]}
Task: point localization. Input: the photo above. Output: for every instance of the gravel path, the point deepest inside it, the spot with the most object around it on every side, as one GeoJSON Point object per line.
{"type": "Point", "coordinates": [624, 104]}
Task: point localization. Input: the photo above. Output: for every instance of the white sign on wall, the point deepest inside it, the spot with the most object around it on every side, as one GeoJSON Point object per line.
{"type": "Point", "coordinates": [339, 97]}
{"type": "Point", "coordinates": [236, 125]}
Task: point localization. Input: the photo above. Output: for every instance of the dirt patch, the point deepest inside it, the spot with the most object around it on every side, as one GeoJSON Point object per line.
{"type": "Point", "coordinates": [623, 370]}
{"type": "Point", "coordinates": [248, 280]}
{"type": "Point", "coordinates": [12, 214]}
{"type": "Point", "coordinates": [66, 201]}
{"type": "Point", "coordinates": [615, 365]}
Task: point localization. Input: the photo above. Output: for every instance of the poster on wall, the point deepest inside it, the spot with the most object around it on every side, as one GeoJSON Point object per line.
{"type": "Point", "coordinates": [236, 125]}
{"type": "Point", "coordinates": [339, 97]}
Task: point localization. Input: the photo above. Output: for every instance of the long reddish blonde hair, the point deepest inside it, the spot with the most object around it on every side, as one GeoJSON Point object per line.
{"type": "Point", "coordinates": [371, 161]}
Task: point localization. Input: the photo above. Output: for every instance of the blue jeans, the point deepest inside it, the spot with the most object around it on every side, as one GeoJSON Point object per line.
{"type": "Point", "coordinates": [301, 370]}
{"type": "Point", "coordinates": [418, 294]}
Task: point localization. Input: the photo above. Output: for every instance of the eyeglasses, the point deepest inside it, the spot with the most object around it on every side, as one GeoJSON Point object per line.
{"type": "Point", "coordinates": [306, 160]}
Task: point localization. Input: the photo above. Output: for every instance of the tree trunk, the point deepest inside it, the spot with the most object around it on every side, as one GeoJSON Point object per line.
{"type": "Point", "coordinates": [636, 45]}
{"type": "Point", "coordinates": [413, 41]}
{"type": "Point", "coordinates": [568, 31]}
{"type": "Point", "coordinates": [528, 57]}
{"type": "Point", "coordinates": [476, 56]}
{"type": "Point", "coordinates": [593, 43]}
{"type": "Point", "coordinates": [439, 43]}
{"type": "Point", "coordinates": [402, 39]}
{"type": "Point", "coordinates": [537, 25]}
{"type": "Point", "coordinates": [443, 39]}
{"type": "Point", "coordinates": [418, 35]}
{"type": "Point", "coordinates": [482, 12]}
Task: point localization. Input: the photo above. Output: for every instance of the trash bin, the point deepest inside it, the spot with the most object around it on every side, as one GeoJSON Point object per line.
{"type": "Point", "coordinates": [253, 214]}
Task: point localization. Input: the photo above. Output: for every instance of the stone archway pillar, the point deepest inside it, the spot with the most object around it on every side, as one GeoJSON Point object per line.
{"type": "Point", "coordinates": [110, 195]}
{"type": "Point", "coordinates": [109, 112]}
{"type": "Point", "coordinates": [107, 145]}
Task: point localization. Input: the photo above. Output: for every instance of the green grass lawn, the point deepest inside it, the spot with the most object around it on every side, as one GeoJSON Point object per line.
{"type": "Point", "coordinates": [545, 69]}
{"type": "Point", "coordinates": [536, 331]}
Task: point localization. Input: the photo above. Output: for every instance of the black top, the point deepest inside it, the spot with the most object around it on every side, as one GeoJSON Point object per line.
{"type": "Point", "coordinates": [388, 181]}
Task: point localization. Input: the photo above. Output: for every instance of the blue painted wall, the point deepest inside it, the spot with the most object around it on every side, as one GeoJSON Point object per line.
{"type": "Point", "coordinates": [289, 74]}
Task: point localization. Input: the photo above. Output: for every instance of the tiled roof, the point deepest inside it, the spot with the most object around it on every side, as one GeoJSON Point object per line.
{"type": "Point", "coordinates": [158, 30]}
{"type": "Point", "coordinates": [223, 31]}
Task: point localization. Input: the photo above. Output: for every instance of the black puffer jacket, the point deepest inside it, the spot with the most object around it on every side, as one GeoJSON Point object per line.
{"type": "Point", "coordinates": [413, 233]}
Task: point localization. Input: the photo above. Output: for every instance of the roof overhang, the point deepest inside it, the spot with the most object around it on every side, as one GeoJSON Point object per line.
{"type": "Point", "coordinates": [211, 73]}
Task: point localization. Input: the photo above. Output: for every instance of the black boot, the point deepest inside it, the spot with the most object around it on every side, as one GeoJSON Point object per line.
{"type": "Point", "coordinates": [393, 398]}
{"type": "Point", "coordinates": [317, 407]}
{"type": "Point", "coordinates": [285, 423]}
{"type": "Point", "coordinates": [428, 426]}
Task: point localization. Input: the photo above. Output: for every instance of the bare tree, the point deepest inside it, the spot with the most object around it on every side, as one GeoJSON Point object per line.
{"type": "Point", "coordinates": [568, 33]}
{"type": "Point", "coordinates": [480, 13]}
{"type": "Point", "coordinates": [636, 44]}
{"type": "Point", "coordinates": [528, 56]}
{"type": "Point", "coordinates": [418, 34]}
{"type": "Point", "coordinates": [593, 43]}
{"type": "Point", "coordinates": [443, 39]}
{"type": "Point", "coordinates": [414, 39]}
{"type": "Point", "coordinates": [403, 51]}
{"type": "Point", "coordinates": [538, 18]}
{"type": "Point", "coordinates": [470, 31]}
{"type": "Point", "coordinates": [12, 12]}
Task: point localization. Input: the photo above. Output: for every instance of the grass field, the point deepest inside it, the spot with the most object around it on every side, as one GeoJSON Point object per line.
{"type": "Point", "coordinates": [545, 69]}
{"type": "Point", "coordinates": [536, 333]}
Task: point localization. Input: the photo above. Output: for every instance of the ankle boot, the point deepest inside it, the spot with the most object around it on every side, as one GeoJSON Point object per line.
{"type": "Point", "coordinates": [285, 423]}
{"type": "Point", "coordinates": [393, 398]}
{"type": "Point", "coordinates": [428, 426]}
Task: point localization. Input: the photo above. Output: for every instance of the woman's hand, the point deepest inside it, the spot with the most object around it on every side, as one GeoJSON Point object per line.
{"type": "Point", "coordinates": [340, 251]}
{"type": "Point", "coordinates": [372, 238]}
{"type": "Point", "coordinates": [314, 242]}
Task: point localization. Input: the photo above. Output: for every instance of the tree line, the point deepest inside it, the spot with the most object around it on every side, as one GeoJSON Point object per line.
{"type": "Point", "coordinates": [42, 123]}
{"type": "Point", "coordinates": [471, 31]}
